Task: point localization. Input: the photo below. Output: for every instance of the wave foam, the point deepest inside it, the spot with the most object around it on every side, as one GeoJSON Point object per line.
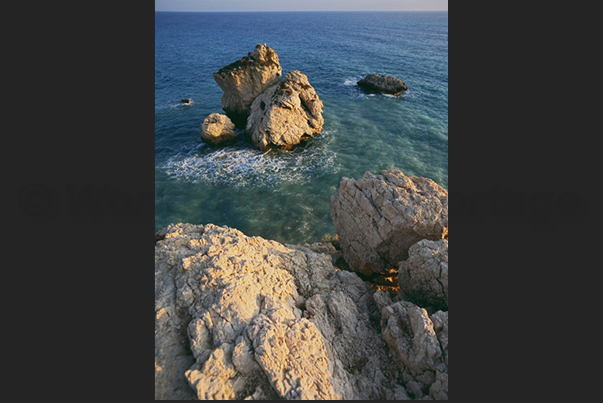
{"type": "Point", "coordinates": [241, 165]}
{"type": "Point", "coordinates": [180, 104]}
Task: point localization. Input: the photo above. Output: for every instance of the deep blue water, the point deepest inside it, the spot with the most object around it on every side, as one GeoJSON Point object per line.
{"type": "Point", "coordinates": [285, 196]}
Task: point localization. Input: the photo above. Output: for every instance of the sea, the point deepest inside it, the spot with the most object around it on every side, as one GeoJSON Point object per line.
{"type": "Point", "coordinates": [286, 195]}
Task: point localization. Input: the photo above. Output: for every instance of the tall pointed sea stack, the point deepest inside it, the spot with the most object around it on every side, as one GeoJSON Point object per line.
{"type": "Point", "coordinates": [245, 79]}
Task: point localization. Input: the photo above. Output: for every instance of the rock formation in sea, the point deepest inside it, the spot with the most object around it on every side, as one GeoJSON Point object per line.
{"type": "Point", "coordinates": [218, 129]}
{"type": "Point", "coordinates": [241, 317]}
{"type": "Point", "coordinates": [379, 217]}
{"type": "Point", "coordinates": [245, 79]}
{"type": "Point", "coordinates": [275, 113]}
{"type": "Point", "coordinates": [384, 84]}
{"type": "Point", "coordinates": [285, 114]}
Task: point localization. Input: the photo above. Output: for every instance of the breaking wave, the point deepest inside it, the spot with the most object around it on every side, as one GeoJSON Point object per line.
{"type": "Point", "coordinates": [241, 165]}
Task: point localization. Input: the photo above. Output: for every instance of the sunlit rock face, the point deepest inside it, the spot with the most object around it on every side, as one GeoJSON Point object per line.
{"type": "Point", "coordinates": [274, 112]}
{"type": "Point", "coordinates": [285, 114]}
{"type": "Point", "coordinates": [217, 130]}
{"type": "Point", "coordinates": [245, 79]}
{"type": "Point", "coordinates": [241, 317]}
{"type": "Point", "coordinates": [380, 216]}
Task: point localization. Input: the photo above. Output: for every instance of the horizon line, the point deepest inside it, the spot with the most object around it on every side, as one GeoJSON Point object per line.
{"type": "Point", "coordinates": [298, 11]}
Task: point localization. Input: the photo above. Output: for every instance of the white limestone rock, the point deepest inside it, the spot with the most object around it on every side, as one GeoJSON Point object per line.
{"type": "Point", "coordinates": [423, 277]}
{"type": "Point", "coordinates": [285, 114]}
{"type": "Point", "coordinates": [247, 318]}
{"type": "Point", "coordinates": [217, 129]}
{"type": "Point", "coordinates": [378, 217]}
{"type": "Point", "coordinates": [245, 79]}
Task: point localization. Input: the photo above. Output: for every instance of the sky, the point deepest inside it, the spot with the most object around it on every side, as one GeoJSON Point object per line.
{"type": "Point", "coordinates": [300, 5]}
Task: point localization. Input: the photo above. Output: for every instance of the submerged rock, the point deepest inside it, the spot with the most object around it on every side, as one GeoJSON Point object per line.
{"type": "Point", "coordinates": [218, 129]}
{"type": "Point", "coordinates": [245, 79]}
{"type": "Point", "coordinates": [241, 317]}
{"type": "Point", "coordinates": [385, 84]}
{"type": "Point", "coordinates": [379, 217]}
{"type": "Point", "coordinates": [285, 114]}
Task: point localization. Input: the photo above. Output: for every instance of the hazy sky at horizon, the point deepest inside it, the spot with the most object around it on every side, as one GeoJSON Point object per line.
{"type": "Point", "coordinates": [300, 5]}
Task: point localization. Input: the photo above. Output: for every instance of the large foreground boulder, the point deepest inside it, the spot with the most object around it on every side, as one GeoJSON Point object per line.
{"type": "Point", "coordinates": [218, 129]}
{"type": "Point", "coordinates": [241, 317]}
{"type": "Point", "coordinates": [378, 217]}
{"type": "Point", "coordinates": [245, 79]}
{"type": "Point", "coordinates": [285, 114]}
{"type": "Point", "coordinates": [384, 84]}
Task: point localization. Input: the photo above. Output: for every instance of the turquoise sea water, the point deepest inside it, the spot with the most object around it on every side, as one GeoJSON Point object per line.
{"type": "Point", "coordinates": [285, 196]}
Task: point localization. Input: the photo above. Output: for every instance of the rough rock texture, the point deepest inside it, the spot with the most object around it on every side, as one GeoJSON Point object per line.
{"type": "Point", "coordinates": [385, 84]}
{"type": "Point", "coordinates": [420, 343]}
{"type": "Point", "coordinates": [423, 277]}
{"type": "Point", "coordinates": [285, 114]}
{"type": "Point", "coordinates": [245, 79]}
{"type": "Point", "coordinates": [378, 217]}
{"type": "Point", "coordinates": [241, 317]}
{"type": "Point", "coordinates": [218, 129]}
{"type": "Point", "coordinates": [327, 248]}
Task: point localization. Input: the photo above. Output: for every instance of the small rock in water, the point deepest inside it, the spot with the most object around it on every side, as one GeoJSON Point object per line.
{"type": "Point", "coordinates": [218, 129]}
{"type": "Point", "coordinates": [384, 84]}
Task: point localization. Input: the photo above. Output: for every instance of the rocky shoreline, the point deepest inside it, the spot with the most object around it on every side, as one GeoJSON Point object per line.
{"type": "Point", "coordinates": [240, 317]}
